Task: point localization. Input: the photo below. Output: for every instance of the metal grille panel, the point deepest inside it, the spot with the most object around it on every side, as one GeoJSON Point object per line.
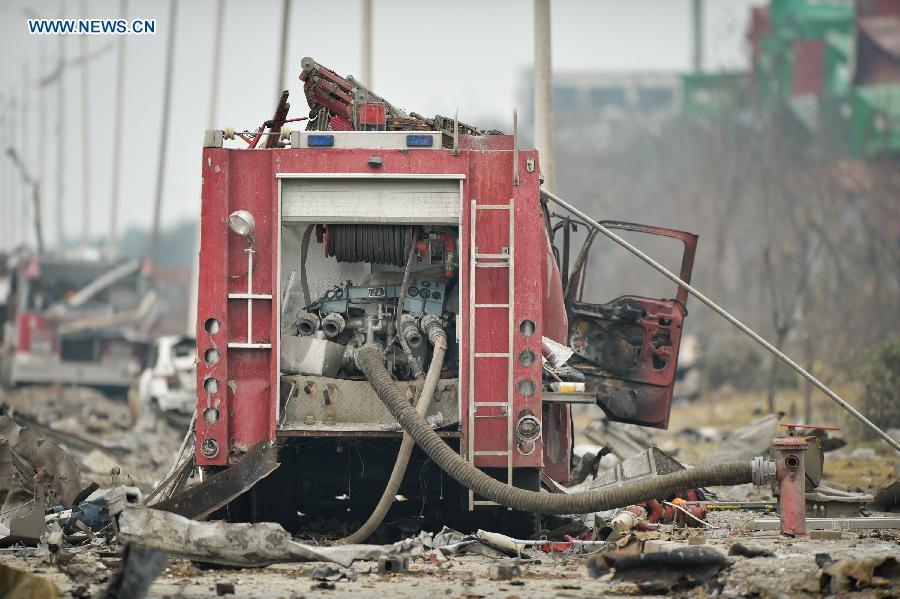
{"type": "Point", "coordinates": [319, 402]}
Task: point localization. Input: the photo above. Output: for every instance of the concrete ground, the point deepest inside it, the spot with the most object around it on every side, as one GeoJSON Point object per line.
{"type": "Point", "coordinates": [792, 571]}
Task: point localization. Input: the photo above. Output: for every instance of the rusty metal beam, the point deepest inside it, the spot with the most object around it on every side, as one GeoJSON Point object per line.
{"type": "Point", "coordinates": [217, 490]}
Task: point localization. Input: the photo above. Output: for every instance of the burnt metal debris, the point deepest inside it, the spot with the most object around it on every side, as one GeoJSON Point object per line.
{"type": "Point", "coordinates": [41, 462]}
{"type": "Point", "coordinates": [217, 490]}
{"type": "Point", "coordinates": [664, 572]}
{"type": "Point", "coordinates": [240, 545]}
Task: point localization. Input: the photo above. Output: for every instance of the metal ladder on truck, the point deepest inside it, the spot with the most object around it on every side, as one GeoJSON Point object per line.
{"type": "Point", "coordinates": [478, 261]}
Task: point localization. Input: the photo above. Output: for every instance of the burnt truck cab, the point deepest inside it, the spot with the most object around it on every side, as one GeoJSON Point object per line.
{"type": "Point", "coordinates": [370, 230]}
{"type": "Point", "coordinates": [627, 349]}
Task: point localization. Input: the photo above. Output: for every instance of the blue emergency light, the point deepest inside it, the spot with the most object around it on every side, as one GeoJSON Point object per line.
{"type": "Point", "coordinates": [320, 141]}
{"type": "Point", "coordinates": [419, 141]}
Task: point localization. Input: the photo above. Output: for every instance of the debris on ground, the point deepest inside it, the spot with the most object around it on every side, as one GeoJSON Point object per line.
{"type": "Point", "coordinates": [18, 584]}
{"type": "Point", "coordinates": [239, 545]}
{"type": "Point", "coordinates": [665, 571]}
{"type": "Point", "coordinates": [96, 431]}
{"type": "Point", "coordinates": [746, 442]}
{"type": "Point", "coordinates": [140, 567]}
{"type": "Point", "coordinates": [393, 565]}
{"type": "Point", "coordinates": [504, 571]}
{"type": "Point", "coordinates": [741, 550]}
{"type": "Point", "coordinates": [40, 462]}
{"type": "Point", "coordinates": [330, 573]}
{"type": "Point", "coordinates": [106, 544]}
{"type": "Point", "coordinates": [887, 499]}
{"type": "Point", "coordinates": [220, 488]}
{"type": "Point", "coordinates": [621, 440]}
{"type": "Point", "coordinates": [841, 576]}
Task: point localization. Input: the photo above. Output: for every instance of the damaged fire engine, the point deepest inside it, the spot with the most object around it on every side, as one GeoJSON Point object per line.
{"type": "Point", "coordinates": [386, 300]}
{"type": "Point", "coordinates": [74, 320]}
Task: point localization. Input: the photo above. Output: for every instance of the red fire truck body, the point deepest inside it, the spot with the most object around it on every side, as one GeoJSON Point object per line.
{"type": "Point", "coordinates": [247, 373]}
{"type": "Point", "coordinates": [343, 238]}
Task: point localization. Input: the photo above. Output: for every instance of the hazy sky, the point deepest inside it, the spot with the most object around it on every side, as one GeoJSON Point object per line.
{"type": "Point", "coordinates": [429, 57]}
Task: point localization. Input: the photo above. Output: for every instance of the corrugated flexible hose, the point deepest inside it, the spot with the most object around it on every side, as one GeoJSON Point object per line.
{"type": "Point", "coordinates": [370, 362]}
{"type": "Point", "coordinates": [406, 448]}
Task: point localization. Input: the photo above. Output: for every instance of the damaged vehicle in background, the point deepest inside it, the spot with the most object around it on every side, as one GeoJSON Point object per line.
{"type": "Point", "coordinates": [168, 381]}
{"type": "Point", "coordinates": [77, 321]}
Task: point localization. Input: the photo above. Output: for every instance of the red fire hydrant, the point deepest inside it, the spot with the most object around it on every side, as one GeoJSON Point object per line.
{"type": "Point", "coordinates": [791, 475]}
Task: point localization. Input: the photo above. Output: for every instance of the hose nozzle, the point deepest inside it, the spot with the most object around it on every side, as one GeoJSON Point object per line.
{"type": "Point", "coordinates": [410, 330]}
{"type": "Point", "coordinates": [432, 327]}
{"type": "Point", "coordinates": [308, 324]}
{"type": "Point", "coordinates": [333, 324]}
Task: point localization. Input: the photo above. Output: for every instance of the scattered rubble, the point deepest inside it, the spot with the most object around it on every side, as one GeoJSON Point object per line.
{"type": "Point", "coordinates": [665, 571]}
{"type": "Point", "coordinates": [24, 585]}
{"type": "Point", "coordinates": [504, 571]}
{"type": "Point", "coordinates": [887, 499]}
{"type": "Point", "coordinates": [841, 576]}
{"type": "Point", "coordinates": [238, 545]}
{"type": "Point", "coordinates": [97, 432]}
{"type": "Point", "coordinates": [104, 543]}
{"type": "Point", "coordinates": [746, 442]}
{"type": "Point", "coordinates": [741, 550]}
{"type": "Point", "coordinates": [140, 567]}
{"type": "Point", "coordinates": [39, 461]}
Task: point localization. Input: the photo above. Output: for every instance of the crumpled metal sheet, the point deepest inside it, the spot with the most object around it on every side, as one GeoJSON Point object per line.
{"type": "Point", "coordinates": [21, 511]}
{"type": "Point", "coordinates": [240, 545]}
{"type": "Point", "coordinates": [222, 487]}
{"type": "Point", "coordinates": [22, 517]}
{"type": "Point", "coordinates": [747, 442]}
{"type": "Point", "coordinates": [448, 543]}
{"type": "Point", "coordinates": [649, 463]}
{"type": "Point", "coordinates": [625, 440]}
{"type": "Point", "coordinates": [40, 454]}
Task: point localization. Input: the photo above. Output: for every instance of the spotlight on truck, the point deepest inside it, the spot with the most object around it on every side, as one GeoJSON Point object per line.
{"type": "Point", "coordinates": [242, 223]}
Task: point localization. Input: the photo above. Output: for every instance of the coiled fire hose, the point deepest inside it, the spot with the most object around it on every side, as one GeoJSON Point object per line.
{"type": "Point", "coordinates": [439, 339]}
{"type": "Point", "coordinates": [370, 361]}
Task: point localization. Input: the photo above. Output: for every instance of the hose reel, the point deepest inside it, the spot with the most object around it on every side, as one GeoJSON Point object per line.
{"type": "Point", "coordinates": [378, 244]}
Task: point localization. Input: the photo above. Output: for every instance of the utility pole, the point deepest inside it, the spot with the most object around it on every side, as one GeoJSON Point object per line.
{"type": "Point", "coordinates": [282, 47]}
{"type": "Point", "coordinates": [42, 137]}
{"type": "Point", "coordinates": [85, 135]}
{"type": "Point", "coordinates": [112, 242]}
{"type": "Point", "coordinates": [697, 20]}
{"type": "Point", "coordinates": [34, 187]}
{"type": "Point", "coordinates": [216, 64]}
{"type": "Point", "coordinates": [24, 148]}
{"type": "Point", "coordinates": [6, 122]}
{"type": "Point", "coordinates": [16, 234]}
{"type": "Point", "coordinates": [366, 44]}
{"type": "Point", "coordinates": [59, 79]}
{"type": "Point", "coordinates": [543, 93]}
{"type": "Point", "coordinates": [60, 142]}
{"type": "Point", "coordinates": [164, 131]}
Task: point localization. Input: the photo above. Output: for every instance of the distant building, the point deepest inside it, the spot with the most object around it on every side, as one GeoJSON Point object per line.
{"type": "Point", "coordinates": [580, 95]}
{"type": "Point", "coordinates": [592, 107]}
